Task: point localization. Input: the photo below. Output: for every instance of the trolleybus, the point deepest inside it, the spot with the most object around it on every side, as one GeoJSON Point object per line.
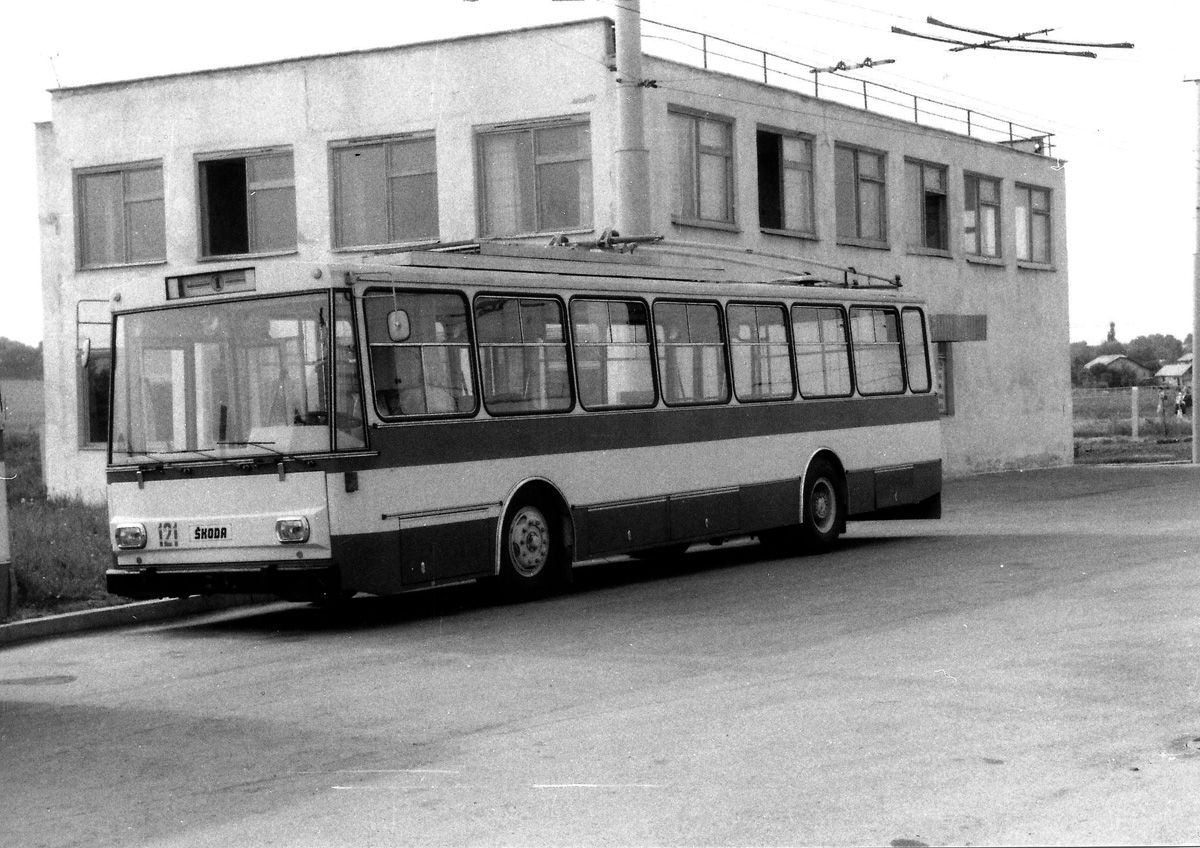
{"type": "Point", "coordinates": [429, 418]}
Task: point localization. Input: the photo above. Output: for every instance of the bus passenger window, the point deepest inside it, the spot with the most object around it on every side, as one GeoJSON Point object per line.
{"type": "Point", "coordinates": [523, 355]}
{"type": "Point", "coordinates": [758, 344]}
{"type": "Point", "coordinates": [429, 373]}
{"type": "Point", "coordinates": [822, 351]}
{"type": "Point", "coordinates": [916, 352]}
{"type": "Point", "coordinates": [612, 354]}
{"type": "Point", "coordinates": [691, 353]}
{"type": "Point", "coordinates": [875, 332]}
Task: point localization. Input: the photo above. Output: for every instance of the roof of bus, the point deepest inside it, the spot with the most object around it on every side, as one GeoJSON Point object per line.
{"type": "Point", "coordinates": [649, 269]}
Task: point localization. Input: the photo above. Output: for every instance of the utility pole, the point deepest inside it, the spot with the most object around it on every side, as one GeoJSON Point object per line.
{"type": "Point", "coordinates": [633, 159]}
{"type": "Point", "coordinates": [1196, 298]}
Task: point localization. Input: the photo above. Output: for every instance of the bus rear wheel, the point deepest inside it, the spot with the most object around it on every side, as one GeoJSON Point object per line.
{"type": "Point", "coordinates": [823, 514]}
{"type": "Point", "coordinates": [532, 556]}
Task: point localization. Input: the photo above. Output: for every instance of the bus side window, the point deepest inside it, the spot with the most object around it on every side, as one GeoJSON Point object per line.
{"type": "Point", "coordinates": [691, 353]}
{"type": "Point", "coordinates": [429, 372]}
{"type": "Point", "coordinates": [875, 341]}
{"type": "Point", "coordinates": [916, 352]}
{"type": "Point", "coordinates": [612, 354]}
{"type": "Point", "coordinates": [523, 355]}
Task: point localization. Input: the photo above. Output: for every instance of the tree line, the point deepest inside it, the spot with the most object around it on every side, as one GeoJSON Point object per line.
{"type": "Point", "coordinates": [20, 361]}
{"type": "Point", "coordinates": [1153, 351]}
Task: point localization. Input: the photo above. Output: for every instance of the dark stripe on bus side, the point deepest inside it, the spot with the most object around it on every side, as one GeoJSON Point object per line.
{"type": "Point", "coordinates": [504, 438]}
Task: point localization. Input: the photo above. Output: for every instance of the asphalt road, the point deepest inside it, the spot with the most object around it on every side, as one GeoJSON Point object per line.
{"type": "Point", "coordinates": [1022, 672]}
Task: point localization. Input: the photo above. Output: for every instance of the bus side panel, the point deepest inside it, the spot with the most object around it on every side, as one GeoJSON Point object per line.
{"type": "Point", "coordinates": [369, 562]}
{"type": "Point", "coordinates": [882, 493]}
{"type": "Point", "coordinates": [446, 551]}
{"type": "Point", "coordinates": [768, 505]}
{"type": "Point", "coordinates": [610, 528]}
{"type": "Point", "coordinates": [706, 514]}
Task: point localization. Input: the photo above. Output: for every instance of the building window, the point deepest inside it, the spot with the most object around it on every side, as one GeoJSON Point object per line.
{"type": "Point", "coordinates": [875, 336]}
{"type": "Point", "coordinates": [981, 216]}
{"type": "Point", "coordinates": [758, 346]}
{"type": "Point", "coordinates": [944, 376]}
{"type": "Point", "coordinates": [120, 215]}
{"type": "Point", "coordinates": [691, 353]}
{"type": "Point", "coordinates": [1033, 224]}
{"type": "Point", "coordinates": [523, 353]}
{"type": "Point", "coordinates": [861, 195]}
{"type": "Point", "coordinates": [785, 182]}
{"type": "Point", "coordinates": [535, 179]}
{"type": "Point", "coordinates": [822, 351]}
{"type": "Point", "coordinates": [703, 168]}
{"type": "Point", "coordinates": [928, 206]}
{"type": "Point", "coordinates": [385, 192]}
{"type": "Point", "coordinates": [248, 204]}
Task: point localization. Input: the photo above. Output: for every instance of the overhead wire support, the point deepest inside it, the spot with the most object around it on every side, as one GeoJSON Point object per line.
{"type": "Point", "coordinates": [1002, 42]}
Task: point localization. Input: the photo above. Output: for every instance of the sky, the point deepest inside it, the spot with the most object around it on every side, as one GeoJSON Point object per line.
{"type": "Point", "coordinates": [1125, 123]}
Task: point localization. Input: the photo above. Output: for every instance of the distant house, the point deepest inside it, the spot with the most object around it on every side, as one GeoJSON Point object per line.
{"type": "Point", "coordinates": [1131, 372]}
{"type": "Point", "coordinates": [1175, 374]}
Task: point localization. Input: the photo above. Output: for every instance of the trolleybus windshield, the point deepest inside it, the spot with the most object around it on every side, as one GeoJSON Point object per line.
{"type": "Point", "coordinates": [235, 379]}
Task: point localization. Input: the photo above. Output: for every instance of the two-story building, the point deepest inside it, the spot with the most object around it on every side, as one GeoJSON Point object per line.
{"type": "Point", "coordinates": [514, 135]}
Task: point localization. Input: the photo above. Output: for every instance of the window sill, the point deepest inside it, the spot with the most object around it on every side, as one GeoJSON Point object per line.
{"type": "Point", "coordinates": [929, 251]}
{"type": "Point", "coordinates": [705, 225]}
{"type": "Point", "coordinates": [796, 234]}
{"type": "Point", "coordinates": [994, 261]}
{"type": "Point", "coordinates": [239, 257]}
{"type": "Point", "coordinates": [1028, 265]}
{"type": "Point", "coordinates": [149, 263]}
{"type": "Point", "coordinates": [869, 244]}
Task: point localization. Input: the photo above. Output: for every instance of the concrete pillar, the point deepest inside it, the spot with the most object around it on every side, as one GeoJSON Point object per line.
{"type": "Point", "coordinates": [7, 581]}
{"type": "Point", "coordinates": [632, 157]}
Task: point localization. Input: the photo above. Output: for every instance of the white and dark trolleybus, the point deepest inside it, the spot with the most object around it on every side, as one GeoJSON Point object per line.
{"type": "Point", "coordinates": [441, 417]}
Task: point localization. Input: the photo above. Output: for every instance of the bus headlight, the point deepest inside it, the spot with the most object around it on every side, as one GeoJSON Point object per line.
{"type": "Point", "coordinates": [291, 531]}
{"type": "Point", "coordinates": [130, 537]}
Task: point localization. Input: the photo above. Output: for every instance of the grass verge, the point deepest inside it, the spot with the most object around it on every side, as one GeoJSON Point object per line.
{"type": "Point", "coordinates": [59, 546]}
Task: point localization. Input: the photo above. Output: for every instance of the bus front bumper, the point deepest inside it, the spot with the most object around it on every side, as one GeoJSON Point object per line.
{"type": "Point", "coordinates": [314, 580]}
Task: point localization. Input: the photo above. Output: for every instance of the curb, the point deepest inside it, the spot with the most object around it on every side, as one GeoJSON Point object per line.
{"type": "Point", "coordinates": [139, 612]}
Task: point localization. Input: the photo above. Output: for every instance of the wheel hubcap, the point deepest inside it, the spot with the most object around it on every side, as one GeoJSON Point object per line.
{"type": "Point", "coordinates": [529, 541]}
{"type": "Point", "coordinates": [823, 506]}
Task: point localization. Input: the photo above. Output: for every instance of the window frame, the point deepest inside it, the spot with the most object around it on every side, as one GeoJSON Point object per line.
{"type": "Point", "coordinates": [784, 165]}
{"type": "Point", "coordinates": [124, 169]}
{"type": "Point", "coordinates": [574, 343]}
{"type": "Point", "coordinates": [1025, 230]}
{"type": "Point", "coordinates": [858, 239]}
{"type": "Point", "coordinates": [205, 213]}
{"type": "Point", "coordinates": [973, 243]}
{"type": "Point", "coordinates": [532, 128]}
{"type": "Point", "coordinates": [479, 346]}
{"type": "Point", "coordinates": [919, 207]}
{"type": "Point", "coordinates": [370, 345]}
{"type": "Point", "coordinates": [789, 354]}
{"type": "Point", "coordinates": [906, 353]}
{"type": "Point", "coordinates": [846, 348]}
{"type": "Point", "coordinates": [695, 215]}
{"type": "Point", "coordinates": [660, 352]}
{"type": "Point", "coordinates": [855, 345]}
{"type": "Point", "coordinates": [387, 143]}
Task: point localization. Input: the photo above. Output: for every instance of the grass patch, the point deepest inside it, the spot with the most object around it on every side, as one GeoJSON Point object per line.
{"type": "Point", "coordinates": [60, 547]}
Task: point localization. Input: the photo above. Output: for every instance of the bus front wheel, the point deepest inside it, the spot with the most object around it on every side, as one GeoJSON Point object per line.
{"type": "Point", "coordinates": [531, 557]}
{"type": "Point", "coordinates": [823, 517]}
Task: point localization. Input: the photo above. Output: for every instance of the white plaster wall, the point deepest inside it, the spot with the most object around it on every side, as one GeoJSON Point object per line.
{"type": "Point", "coordinates": [1011, 392]}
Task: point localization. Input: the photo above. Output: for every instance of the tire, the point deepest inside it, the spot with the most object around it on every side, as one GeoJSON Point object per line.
{"type": "Point", "coordinates": [823, 513]}
{"type": "Point", "coordinates": [532, 555]}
